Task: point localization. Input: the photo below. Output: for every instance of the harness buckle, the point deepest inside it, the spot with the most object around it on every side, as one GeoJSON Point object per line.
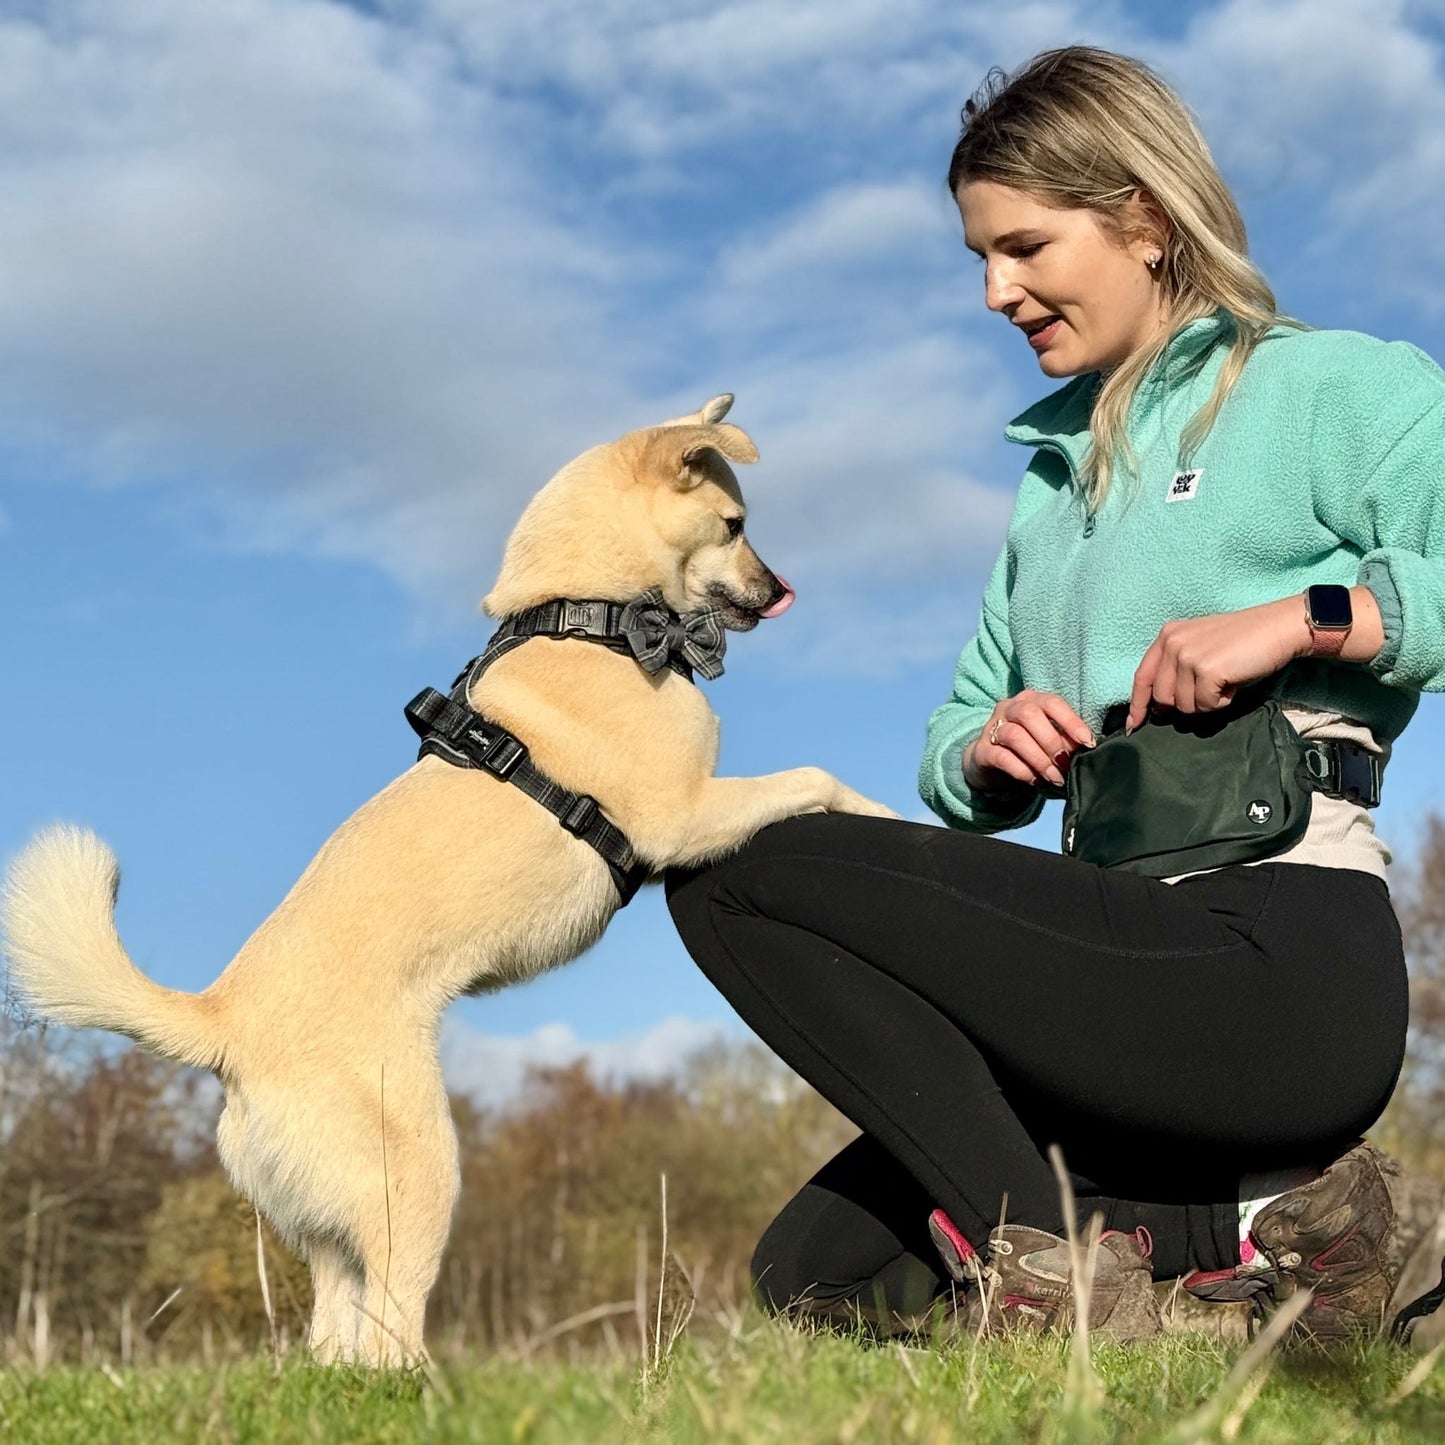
{"type": "Point", "coordinates": [586, 617]}
{"type": "Point", "coordinates": [580, 816]}
{"type": "Point", "coordinates": [502, 755]}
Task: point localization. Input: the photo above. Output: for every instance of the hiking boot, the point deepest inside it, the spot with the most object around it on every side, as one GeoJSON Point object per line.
{"type": "Point", "coordinates": [959, 1257]}
{"type": "Point", "coordinates": [1339, 1236]}
{"type": "Point", "coordinates": [1333, 1236]}
{"type": "Point", "coordinates": [1027, 1283]}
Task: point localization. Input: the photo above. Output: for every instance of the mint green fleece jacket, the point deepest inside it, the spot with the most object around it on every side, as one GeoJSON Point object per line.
{"type": "Point", "coordinates": [1325, 464]}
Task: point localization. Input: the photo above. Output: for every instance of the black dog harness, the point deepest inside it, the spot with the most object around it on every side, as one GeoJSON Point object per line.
{"type": "Point", "coordinates": [645, 628]}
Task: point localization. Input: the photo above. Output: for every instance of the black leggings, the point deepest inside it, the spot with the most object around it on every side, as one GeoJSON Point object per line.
{"type": "Point", "coordinates": [967, 1001]}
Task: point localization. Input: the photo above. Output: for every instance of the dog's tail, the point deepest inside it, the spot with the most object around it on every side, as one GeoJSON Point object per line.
{"type": "Point", "coordinates": [57, 918]}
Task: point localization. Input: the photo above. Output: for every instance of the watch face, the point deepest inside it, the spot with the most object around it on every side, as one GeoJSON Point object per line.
{"type": "Point", "coordinates": [1329, 608]}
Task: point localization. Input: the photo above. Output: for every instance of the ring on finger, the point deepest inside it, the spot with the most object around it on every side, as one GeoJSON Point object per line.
{"type": "Point", "coordinates": [993, 732]}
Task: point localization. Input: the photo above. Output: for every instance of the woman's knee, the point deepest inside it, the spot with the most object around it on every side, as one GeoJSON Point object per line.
{"type": "Point", "coordinates": [698, 897]}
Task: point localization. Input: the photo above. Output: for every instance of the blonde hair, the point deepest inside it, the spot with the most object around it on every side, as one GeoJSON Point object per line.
{"type": "Point", "coordinates": [1080, 128]}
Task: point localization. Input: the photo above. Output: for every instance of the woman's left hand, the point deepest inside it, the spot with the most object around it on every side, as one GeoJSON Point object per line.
{"type": "Point", "coordinates": [1198, 665]}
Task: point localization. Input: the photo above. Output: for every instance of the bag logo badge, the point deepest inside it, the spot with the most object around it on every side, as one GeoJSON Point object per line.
{"type": "Point", "coordinates": [1259, 811]}
{"type": "Point", "coordinates": [1185, 486]}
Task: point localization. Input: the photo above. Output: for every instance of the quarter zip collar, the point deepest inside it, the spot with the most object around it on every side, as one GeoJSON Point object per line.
{"type": "Point", "coordinates": [1059, 422]}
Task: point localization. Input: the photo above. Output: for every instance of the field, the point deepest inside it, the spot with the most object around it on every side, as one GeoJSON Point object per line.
{"type": "Point", "coordinates": [761, 1383]}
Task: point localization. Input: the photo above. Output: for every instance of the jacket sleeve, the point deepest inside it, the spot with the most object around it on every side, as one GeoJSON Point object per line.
{"type": "Point", "coordinates": [1381, 442]}
{"type": "Point", "coordinates": [987, 671]}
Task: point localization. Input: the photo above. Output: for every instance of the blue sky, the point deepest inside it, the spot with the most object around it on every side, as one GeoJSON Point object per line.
{"type": "Point", "coordinates": [301, 301]}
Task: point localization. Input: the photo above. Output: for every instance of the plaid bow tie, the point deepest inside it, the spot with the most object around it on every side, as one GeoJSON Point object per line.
{"type": "Point", "coordinates": [656, 633]}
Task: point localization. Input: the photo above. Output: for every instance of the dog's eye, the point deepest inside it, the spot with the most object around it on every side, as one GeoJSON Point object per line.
{"type": "Point", "coordinates": [735, 527]}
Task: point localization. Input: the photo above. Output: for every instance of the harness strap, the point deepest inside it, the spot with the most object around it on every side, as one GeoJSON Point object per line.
{"type": "Point", "coordinates": [452, 731]}
{"type": "Point", "coordinates": [565, 617]}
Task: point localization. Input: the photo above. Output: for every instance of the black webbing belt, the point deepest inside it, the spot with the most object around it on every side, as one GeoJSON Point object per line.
{"type": "Point", "coordinates": [452, 731]}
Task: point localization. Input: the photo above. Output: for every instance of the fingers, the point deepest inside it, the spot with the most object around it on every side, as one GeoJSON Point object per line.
{"type": "Point", "coordinates": [1066, 720]}
{"type": "Point", "coordinates": [1184, 668]}
{"type": "Point", "coordinates": [1031, 736]}
{"type": "Point", "coordinates": [1142, 693]}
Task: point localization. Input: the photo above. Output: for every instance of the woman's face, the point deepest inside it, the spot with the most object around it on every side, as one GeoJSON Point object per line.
{"type": "Point", "coordinates": [1095, 294]}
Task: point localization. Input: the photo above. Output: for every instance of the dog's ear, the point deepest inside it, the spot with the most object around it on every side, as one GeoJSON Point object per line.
{"type": "Point", "coordinates": [708, 414]}
{"type": "Point", "coordinates": [684, 454]}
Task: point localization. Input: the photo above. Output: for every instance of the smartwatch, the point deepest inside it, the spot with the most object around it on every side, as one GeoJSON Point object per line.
{"type": "Point", "coordinates": [1330, 616]}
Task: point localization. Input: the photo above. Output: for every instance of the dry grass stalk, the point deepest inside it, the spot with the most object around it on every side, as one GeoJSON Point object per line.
{"type": "Point", "coordinates": [386, 1196]}
{"type": "Point", "coordinates": [1419, 1373]}
{"type": "Point", "coordinates": [639, 1291]}
{"type": "Point", "coordinates": [986, 1285]}
{"type": "Point", "coordinates": [161, 1308]}
{"type": "Point", "coordinates": [661, 1279]}
{"type": "Point", "coordinates": [682, 1301]}
{"type": "Point", "coordinates": [1216, 1412]}
{"type": "Point", "coordinates": [577, 1321]}
{"type": "Point", "coordinates": [1083, 1391]}
{"type": "Point", "coordinates": [266, 1290]}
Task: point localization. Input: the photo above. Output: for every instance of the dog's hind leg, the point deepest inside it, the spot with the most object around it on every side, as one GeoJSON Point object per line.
{"type": "Point", "coordinates": [401, 1234]}
{"type": "Point", "coordinates": [337, 1286]}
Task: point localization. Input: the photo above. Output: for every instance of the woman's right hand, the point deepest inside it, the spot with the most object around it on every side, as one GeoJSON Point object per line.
{"type": "Point", "coordinates": [1028, 739]}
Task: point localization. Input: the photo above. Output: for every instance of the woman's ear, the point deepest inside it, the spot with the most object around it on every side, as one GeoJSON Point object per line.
{"type": "Point", "coordinates": [1147, 223]}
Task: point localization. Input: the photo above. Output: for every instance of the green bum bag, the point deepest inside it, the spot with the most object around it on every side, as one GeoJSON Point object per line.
{"type": "Point", "coordinates": [1185, 792]}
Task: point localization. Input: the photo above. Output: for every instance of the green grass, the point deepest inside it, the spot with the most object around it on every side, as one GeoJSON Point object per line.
{"type": "Point", "coordinates": [768, 1384]}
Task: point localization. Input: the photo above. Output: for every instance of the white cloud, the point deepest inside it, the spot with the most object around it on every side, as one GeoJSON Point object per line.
{"type": "Point", "coordinates": [360, 281]}
{"type": "Point", "coordinates": [300, 263]}
{"type": "Point", "coordinates": [1334, 109]}
{"type": "Point", "coordinates": [846, 227]}
{"type": "Point", "coordinates": [491, 1068]}
{"type": "Point", "coordinates": [282, 253]}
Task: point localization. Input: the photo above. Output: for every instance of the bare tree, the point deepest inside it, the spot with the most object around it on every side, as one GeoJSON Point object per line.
{"type": "Point", "coordinates": [1414, 1124]}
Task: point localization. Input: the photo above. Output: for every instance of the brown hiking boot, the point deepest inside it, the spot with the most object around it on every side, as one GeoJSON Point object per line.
{"type": "Point", "coordinates": [1028, 1285]}
{"type": "Point", "coordinates": [1333, 1235]}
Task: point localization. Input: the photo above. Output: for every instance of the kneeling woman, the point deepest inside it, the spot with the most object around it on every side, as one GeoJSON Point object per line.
{"type": "Point", "coordinates": [1216, 496]}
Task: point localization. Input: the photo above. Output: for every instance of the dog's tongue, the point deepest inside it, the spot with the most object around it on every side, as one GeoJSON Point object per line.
{"type": "Point", "coordinates": [783, 603]}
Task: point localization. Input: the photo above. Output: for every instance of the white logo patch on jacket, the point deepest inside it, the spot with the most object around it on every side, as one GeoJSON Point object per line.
{"type": "Point", "coordinates": [1184, 486]}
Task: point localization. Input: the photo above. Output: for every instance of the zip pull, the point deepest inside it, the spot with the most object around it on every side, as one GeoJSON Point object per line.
{"type": "Point", "coordinates": [1089, 525]}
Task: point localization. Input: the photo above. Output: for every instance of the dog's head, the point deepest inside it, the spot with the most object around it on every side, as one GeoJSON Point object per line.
{"type": "Point", "coordinates": [659, 508]}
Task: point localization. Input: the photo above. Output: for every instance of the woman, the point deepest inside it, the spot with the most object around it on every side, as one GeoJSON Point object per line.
{"type": "Point", "coordinates": [1217, 494]}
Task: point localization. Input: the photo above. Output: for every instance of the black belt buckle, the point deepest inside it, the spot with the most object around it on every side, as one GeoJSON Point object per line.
{"type": "Point", "coordinates": [580, 816]}
{"type": "Point", "coordinates": [1358, 774]}
{"type": "Point", "coordinates": [1343, 769]}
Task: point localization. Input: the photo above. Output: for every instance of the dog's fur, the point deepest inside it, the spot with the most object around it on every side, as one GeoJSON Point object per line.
{"type": "Point", "coordinates": [323, 1030]}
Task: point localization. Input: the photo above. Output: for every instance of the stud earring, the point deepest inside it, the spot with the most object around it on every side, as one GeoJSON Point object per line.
{"type": "Point", "coordinates": [1152, 260]}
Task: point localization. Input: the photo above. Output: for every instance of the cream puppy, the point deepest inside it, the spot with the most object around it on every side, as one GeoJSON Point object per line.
{"type": "Point", "coordinates": [323, 1029]}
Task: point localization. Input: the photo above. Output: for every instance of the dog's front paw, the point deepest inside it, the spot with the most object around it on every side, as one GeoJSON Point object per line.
{"type": "Point", "coordinates": [848, 801]}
